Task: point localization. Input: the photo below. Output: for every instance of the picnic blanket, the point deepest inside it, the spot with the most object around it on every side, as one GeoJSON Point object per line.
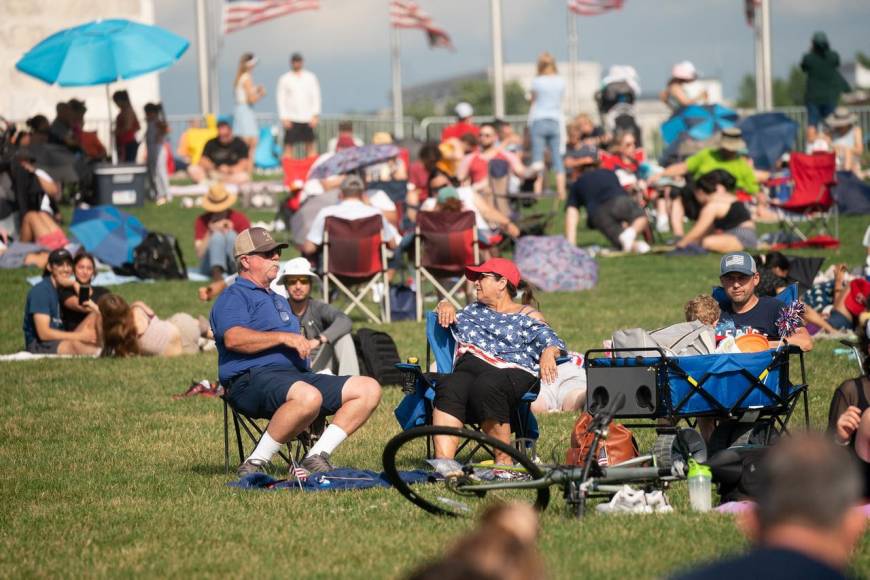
{"type": "Point", "coordinates": [343, 478]}
{"type": "Point", "coordinates": [109, 278]}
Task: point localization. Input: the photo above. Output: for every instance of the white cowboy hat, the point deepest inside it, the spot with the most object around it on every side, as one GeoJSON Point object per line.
{"type": "Point", "coordinates": [294, 267]}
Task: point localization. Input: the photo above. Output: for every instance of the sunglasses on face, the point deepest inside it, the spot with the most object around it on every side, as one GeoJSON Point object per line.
{"type": "Point", "coordinates": [276, 253]}
{"type": "Point", "coordinates": [293, 281]}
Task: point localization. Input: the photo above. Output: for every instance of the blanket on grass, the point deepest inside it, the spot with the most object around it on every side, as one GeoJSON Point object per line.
{"type": "Point", "coordinates": [338, 479]}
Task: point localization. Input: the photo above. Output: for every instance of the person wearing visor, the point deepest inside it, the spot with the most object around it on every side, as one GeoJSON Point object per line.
{"type": "Point", "coordinates": [262, 364]}
{"type": "Point", "coordinates": [326, 328]}
{"type": "Point", "coordinates": [502, 348]}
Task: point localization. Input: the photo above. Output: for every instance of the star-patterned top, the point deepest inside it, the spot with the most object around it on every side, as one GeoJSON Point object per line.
{"type": "Point", "coordinates": [503, 340]}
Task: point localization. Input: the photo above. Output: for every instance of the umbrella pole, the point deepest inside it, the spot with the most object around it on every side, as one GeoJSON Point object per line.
{"type": "Point", "coordinates": [114, 153]}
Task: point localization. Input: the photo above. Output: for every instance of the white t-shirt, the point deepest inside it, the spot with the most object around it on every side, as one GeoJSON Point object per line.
{"type": "Point", "coordinates": [349, 209]}
{"type": "Point", "coordinates": [298, 96]}
{"type": "Point", "coordinates": [466, 196]}
{"type": "Point", "coordinates": [379, 199]}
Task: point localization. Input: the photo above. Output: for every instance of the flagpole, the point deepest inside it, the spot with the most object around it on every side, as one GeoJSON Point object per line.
{"type": "Point", "coordinates": [497, 60]}
{"type": "Point", "coordinates": [202, 58]}
{"type": "Point", "coordinates": [398, 111]}
{"type": "Point", "coordinates": [215, 21]}
{"type": "Point", "coordinates": [765, 54]}
{"type": "Point", "coordinates": [572, 55]}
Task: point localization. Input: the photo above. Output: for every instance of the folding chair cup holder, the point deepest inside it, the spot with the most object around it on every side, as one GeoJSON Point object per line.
{"type": "Point", "coordinates": [754, 386]}
{"type": "Point", "coordinates": [354, 254]}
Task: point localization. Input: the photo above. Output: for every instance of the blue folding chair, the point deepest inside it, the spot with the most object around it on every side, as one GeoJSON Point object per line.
{"type": "Point", "coordinates": [415, 409]}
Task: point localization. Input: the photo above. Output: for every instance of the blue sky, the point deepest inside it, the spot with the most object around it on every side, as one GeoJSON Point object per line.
{"type": "Point", "coordinates": [346, 43]}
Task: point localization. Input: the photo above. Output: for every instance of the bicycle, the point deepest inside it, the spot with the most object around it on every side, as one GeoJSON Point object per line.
{"type": "Point", "coordinates": [456, 485]}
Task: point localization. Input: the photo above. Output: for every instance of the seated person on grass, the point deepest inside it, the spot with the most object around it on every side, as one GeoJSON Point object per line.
{"type": "Point", "coordinates": [724, 224]}
{"type": "Point", "coordinates": [849, 415]}
{"type": "Point", "coordinates": [79, 300]}
{"type": "Point", "coordinates": [327, 325]}
{"type": "Point", "coordinates": [43, 326]}
{"type": "Point", "coordinates": [215, 231]}
{"type": "Point", "coordinates": [747, 313]}
{"type": "Point", "coordinates": [262, 364]}
{"type": "Point", "coordinates": [612, 211]}
{"type": "Point", "coordinates": [224, 159]}
{"type": "Point", "coordinates": [725, 156]}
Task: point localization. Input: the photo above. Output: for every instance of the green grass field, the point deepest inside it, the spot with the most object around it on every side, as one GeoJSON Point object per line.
{"type": "Point", "coordinates": [104, 475]}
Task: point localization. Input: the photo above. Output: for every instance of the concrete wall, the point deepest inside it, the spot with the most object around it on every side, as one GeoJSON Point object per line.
{"type": "Point", "coordinates": [25, 23]}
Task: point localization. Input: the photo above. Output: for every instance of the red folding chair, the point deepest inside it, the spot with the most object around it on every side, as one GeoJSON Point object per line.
{"type": "Point", "coordinates": [444, 243]}
{"type": "Point", "coordinates": [354, 253]}
{"type": "Point", "coordinates": [811, 211]}
{"type": "Point", "coordinates": [295, 169]}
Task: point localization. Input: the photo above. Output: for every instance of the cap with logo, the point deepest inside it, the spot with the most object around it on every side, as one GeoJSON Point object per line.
{"type": "Point", "coordinates": [739, 262]}
{"type": "Point", "coordinates": [255, 240]}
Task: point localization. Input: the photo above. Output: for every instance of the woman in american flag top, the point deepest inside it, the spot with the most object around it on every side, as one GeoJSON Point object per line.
{"type": "Point", "coordinates": [502, 347]}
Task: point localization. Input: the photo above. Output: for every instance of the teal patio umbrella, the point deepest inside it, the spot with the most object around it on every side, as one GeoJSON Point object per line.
{"type": "Point", "coordinates": [102, 52]}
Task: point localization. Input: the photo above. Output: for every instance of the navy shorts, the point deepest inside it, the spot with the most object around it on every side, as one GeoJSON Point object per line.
{"type": "Point", "coordinates": [258, 392]}
{"type": "Point", "coordinates": [43, 346]}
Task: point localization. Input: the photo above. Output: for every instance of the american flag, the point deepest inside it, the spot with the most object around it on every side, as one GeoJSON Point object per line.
{"type": "Point", "coordinates": [593, 7]}
{"type": "Point", "coordinates": [749, 7]}
{"type": "Point", "coordinates": [241, 13]}
{"type": "Point", "coordinates": [407, 14]}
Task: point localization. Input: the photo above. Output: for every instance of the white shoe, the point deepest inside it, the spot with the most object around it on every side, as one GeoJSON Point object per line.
{"type": "Point", "coordinates": [626, 238]}
{"type": "Point", "coordinates": [378, 292]}
{"type": "Point", "coordinates": [641, 247]}
{"type": "Point", "coordinates": [662, 224]}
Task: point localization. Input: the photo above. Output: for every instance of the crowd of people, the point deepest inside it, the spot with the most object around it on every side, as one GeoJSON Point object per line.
{"type": "Point", "coordinates": [289, 358]}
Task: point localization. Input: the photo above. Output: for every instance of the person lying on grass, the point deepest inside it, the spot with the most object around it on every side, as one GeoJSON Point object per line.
{"type": "Point", "coordinates": [263, 366]}
{"type": "Point", "coordinates": [502, 348]}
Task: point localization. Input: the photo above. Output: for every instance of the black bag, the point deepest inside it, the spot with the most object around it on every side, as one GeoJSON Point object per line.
{"type": "Point", "coordinates": [159, 257]}
{"type": "Point", "coordinates": [378, 355]}
{"type": "Point", "coordinates": [735, 471]}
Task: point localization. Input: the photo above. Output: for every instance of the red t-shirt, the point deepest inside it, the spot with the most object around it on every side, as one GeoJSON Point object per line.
{"type": "Point", "coordinates": [457, 130]}
{"type": "Point", "coordinates": [240, 223]}
{"type": "Point", "coordinates": [478, 166]}
{"type": "Point", "coordinates": [614, 162]}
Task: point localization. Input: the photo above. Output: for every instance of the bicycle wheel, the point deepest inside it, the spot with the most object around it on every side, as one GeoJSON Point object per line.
{"type": "Point", "coordinates": [458, 489]}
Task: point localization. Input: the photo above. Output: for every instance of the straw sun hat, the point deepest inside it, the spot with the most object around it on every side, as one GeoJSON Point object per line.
{"type": "Point", "coordinates": [218, 199]}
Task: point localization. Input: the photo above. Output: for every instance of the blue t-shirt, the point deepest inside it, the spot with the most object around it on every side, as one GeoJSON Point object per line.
{"type": "Point", "coordinates": [760, 320]}
{"type": "Point", "coordinates": [246, 304]}
{"type": "Point", "coordinates": [767, 563]}
{"type": "Point", "coordinates": [42, 299]}
{"type": "Point", "coordinates": [548, 90]}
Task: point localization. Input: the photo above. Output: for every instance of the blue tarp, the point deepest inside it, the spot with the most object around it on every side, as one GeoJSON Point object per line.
{"type": "Point", "coordinates": [768, 136]}
{"type": "Point", "coordinates": [340, 479]}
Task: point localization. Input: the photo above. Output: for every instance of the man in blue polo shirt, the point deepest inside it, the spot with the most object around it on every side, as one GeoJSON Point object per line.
{"type": "Point", "coordinates": [262, 363]}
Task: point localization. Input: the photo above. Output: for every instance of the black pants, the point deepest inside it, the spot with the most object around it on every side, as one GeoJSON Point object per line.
{"type": "Point", "coordinates": [476, 391]}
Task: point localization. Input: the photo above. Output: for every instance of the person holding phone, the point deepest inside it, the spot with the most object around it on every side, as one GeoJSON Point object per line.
{"type": "Point", "coordinates": [80, 299]}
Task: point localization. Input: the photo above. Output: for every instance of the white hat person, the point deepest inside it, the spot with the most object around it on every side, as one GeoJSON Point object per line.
{"type": "Point", "coordinates": [295, 267]}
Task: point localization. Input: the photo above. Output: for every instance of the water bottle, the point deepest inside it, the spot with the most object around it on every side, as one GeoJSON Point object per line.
{"type": "Point", "coordinates": [409, 379]}
{"type": "Point", "coordinates": [700, 481]}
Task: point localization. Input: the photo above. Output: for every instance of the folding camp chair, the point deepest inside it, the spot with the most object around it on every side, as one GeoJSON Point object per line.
{"type": "Point", "coordinates": [416, 407]}
{"type": "Point", "coordinates": [444, 244]}
{"type": "Point", "coordinates": [810, 214]}
{"type": "Point", "coordinates": [254, 430]}
{"type": "Point", "coordinates": [354, 253]}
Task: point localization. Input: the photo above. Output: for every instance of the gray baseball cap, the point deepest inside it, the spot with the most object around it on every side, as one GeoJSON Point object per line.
{"type": "Point", "coordinates": [739, 262]}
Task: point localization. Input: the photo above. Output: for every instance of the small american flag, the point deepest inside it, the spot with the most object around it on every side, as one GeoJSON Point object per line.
{"type": "Point", "coordinates": [593, 7]}
{"type": "Point", "coordinates": [241, 13]}
{"type": "Point", "coordinates": [407, 14]}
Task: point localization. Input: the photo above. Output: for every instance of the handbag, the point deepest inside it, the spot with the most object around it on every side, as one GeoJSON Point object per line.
{"type": "Point", "coordinates": [618, 447]}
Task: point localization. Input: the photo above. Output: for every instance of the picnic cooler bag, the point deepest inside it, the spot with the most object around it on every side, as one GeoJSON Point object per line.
{"type": "Point", "coordinates": [120, 185]}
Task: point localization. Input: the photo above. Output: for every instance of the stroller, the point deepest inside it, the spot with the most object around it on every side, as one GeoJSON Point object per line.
{"type": "Point", "coordinates": [615, 100]}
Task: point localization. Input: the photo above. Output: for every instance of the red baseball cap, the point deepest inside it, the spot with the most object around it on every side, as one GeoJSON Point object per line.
{"type": "Point", "coordinates": [501, 266]}
{"type": "Point", "coordinates": [859, 293]}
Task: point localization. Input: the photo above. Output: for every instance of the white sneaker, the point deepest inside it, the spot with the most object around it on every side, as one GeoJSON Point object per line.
{"type": "Point", "coordinates": [626, 238]}
{"type": "Point", "coordinates": [662, 224]}
{"type": "Point", "coordinates": [641, 247]}
{"type": "Point", "coordinates": [378, 292]}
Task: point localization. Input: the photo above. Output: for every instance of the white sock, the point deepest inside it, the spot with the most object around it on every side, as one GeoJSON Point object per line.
{"type": "Point", "coordinates": [626, 238]}
{"type": "Point", "coordinates": [331, 438]}
{"type": "Point", "coordinates": [266, 448]}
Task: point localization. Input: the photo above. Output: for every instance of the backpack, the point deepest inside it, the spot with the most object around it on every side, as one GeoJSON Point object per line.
{"type": "Point", "coordinates": [736, 473]}
{"type": "Point", "coordinates": [682, 339]}
{"type": "Point", "coordinates": [618, 447]}
{"type": "Point", "coordinates": [403, 303]}
{"type": "Point", "coordinates": [159, 257]}
{"type": "Point", "coordinates": [377, 355]}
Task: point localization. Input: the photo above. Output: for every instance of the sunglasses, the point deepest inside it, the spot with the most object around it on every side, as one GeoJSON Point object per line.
{"type": "Point", "coordinates": [267, 255]}
{"type": "Point", "coordinates": [304, 280]}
